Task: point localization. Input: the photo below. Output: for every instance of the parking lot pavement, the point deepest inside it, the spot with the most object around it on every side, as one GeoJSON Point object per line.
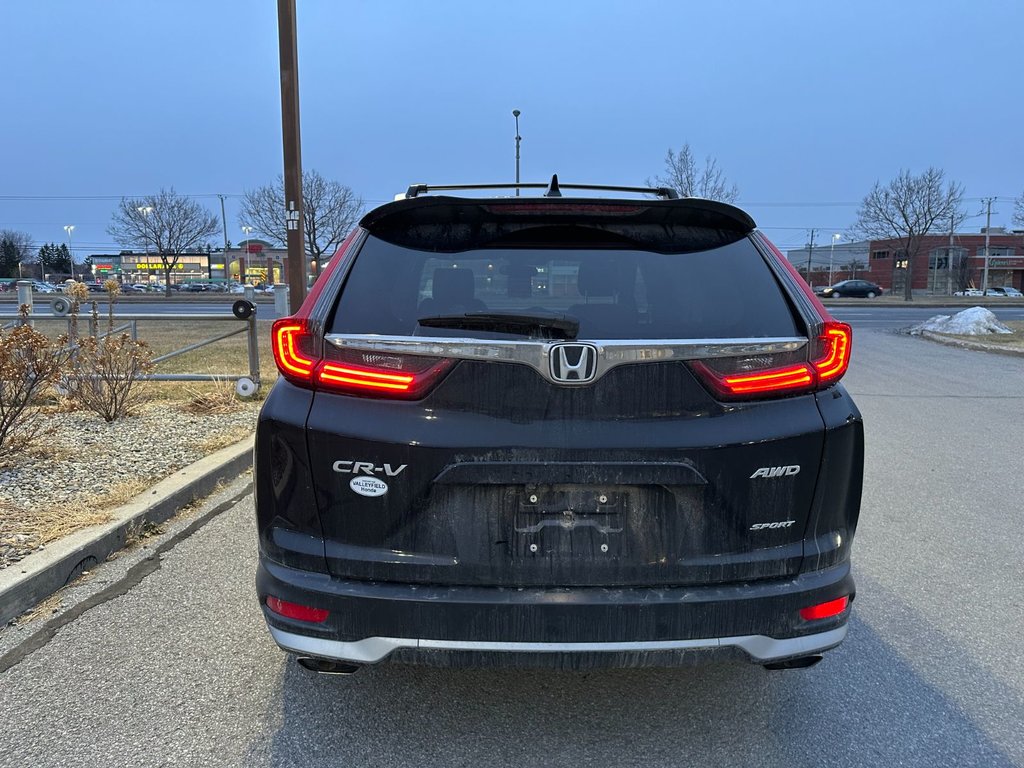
{"type": "Point", "coordinates": [179, 669]}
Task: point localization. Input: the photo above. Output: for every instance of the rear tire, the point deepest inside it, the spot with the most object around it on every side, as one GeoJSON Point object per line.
{"type": "Point", "coordinates": [871, 294]}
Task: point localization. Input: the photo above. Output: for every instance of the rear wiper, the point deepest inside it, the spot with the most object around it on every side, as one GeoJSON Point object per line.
{"type": "Point", "coordinates": [540, 323]}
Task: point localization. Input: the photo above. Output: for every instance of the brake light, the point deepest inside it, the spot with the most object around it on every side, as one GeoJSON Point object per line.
{"type": "Point", "coordinates": [288, 338]}
{"type": "Point", "coordinates": [351, 371]}
{"type": "Point", "coordinates": [766, 377]}
{"type": "Point", "coordinates": [825, 610]}
{"type": "Point", "coordinates": [835, 342]}
{"type": "Point", "coordinates": [296, 611]}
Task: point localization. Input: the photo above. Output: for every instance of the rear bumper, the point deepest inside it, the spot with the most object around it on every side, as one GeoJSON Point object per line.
{"type": "Point", "coordinates": [369, 622]}
{"type": "Point", "coordinates": [759, 648]}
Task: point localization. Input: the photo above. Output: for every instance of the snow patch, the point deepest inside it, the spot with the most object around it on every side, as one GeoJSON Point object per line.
{"type": "Point", "coordinates": [976, 321]}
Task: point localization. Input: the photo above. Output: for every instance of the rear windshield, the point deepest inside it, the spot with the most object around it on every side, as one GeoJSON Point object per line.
{"type": "Point", "coordinates": [725, 292]}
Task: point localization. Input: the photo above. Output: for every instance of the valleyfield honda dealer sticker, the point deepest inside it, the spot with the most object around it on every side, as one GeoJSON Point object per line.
{"type": "Point", "coordinates": [368, 486]}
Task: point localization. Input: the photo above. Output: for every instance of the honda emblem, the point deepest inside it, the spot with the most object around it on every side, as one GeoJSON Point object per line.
{"type": "Point", "coordinates": [573, 363]}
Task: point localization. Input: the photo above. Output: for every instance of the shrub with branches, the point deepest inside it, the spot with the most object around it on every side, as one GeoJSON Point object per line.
{"type": "Point", "coordinates": [29, 364]}
{"type": "Point", "coordinates": [107, 369]}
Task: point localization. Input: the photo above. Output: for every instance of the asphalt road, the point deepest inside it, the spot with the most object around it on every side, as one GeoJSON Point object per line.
{"type": "Point", "coordinates": [889, 317]}
{"type": "Point", "coordinates": [179, 670]}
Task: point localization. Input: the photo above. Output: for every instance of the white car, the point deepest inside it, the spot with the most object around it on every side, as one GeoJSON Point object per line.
{"type": "Point", "coordinates": [40, 287]}
{"type": "Point", "coordinates": [968, 292]}
{"type": "Point", "coordinates": [1008, 291]}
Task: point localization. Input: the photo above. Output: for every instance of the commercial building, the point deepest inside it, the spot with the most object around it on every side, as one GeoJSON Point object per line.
{"type": "Point", "coordinates": [943, 264]}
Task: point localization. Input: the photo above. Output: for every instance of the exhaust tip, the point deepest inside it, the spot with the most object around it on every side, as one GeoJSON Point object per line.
{"type": "Point", "coordinates": [801, 662]}
{"type": "Point", "coordinates": [327, 666]}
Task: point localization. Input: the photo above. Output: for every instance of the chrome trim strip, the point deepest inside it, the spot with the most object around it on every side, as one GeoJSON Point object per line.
{"type": "Point", "coordinates": [760, 648]}
{"type": "Point", "coordinates": [537, 354]}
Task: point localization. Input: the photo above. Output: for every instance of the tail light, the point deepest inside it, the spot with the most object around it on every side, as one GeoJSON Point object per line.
{"type": "Point", "coordinates": [748, 378]}
{"type": "Point", "coordinates": [353, 372]}
{"type": "Point", "coordinates": [825, 610]}
{"type": "Point", "coordinates": [296, 611]}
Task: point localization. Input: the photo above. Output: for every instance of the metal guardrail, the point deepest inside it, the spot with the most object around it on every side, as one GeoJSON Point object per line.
{"type": "Point", "coordinates": [244, 310]}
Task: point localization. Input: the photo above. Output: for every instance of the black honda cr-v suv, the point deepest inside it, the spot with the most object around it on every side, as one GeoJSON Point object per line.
{"type": "Point", "coordinates": [569, 430]}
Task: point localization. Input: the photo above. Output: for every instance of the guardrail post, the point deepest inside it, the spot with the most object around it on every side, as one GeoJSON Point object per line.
{"type": "Point", "coordinates": [25, 297]}
{"type": "Point", "coordinates": [254, 351]}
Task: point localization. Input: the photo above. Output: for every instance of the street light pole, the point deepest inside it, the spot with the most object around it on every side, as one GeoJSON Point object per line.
{"type": "Point", "coordinates": [243, 261]}
{"type": "Point", "coordinates": [988, 231]}
{"type": "Point", "coordinates": [516, 113]}
{"type": "Point", "coordinates": [145, 210]}
{"type": "Point", "coordinates": [69, 228]}
{"type": "Point", "coordinates": [831, 254]}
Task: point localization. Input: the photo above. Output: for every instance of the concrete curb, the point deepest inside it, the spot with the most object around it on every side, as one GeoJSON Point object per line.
{"type": "Point", "coordinates": [39, 575]}
{"type": "Point", "coordinates": [980, 346]}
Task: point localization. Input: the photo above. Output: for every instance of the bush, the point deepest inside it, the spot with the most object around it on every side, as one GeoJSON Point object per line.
{"type": "Point", "coordinates": [29, 364]}
{"type": "Point", "coordinates": [107, 368]}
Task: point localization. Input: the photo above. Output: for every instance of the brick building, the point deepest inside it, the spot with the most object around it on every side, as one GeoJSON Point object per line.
{"type": "Point", "coordinates": [939, 268]}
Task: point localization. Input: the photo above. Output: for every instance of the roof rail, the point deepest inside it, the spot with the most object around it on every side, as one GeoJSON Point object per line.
{"type": "Point", "coordinates": [415, 190]}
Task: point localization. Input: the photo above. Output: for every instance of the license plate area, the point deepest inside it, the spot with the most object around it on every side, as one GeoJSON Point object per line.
{"type": "Point", "coordinates": [569, 521]}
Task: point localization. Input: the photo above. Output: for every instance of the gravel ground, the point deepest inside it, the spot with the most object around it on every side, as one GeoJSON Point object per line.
{"type": "Point", "coordinates": [85, 458]}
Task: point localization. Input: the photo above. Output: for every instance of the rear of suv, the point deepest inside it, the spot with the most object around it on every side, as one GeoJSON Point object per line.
{"type": "Point", "coordinates": [579, 431]}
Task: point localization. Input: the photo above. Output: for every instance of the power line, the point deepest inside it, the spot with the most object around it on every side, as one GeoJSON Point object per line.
{"type": "Point", "coordinates": [29, 198]}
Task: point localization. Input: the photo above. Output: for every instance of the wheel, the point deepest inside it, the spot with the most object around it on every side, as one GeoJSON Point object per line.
{"type": "Point", "coordinates": [60, 306]}
{"type": "Point", "coordinates": [871, 294]}
{"type": "Point", "coordinates": [246, 387]}
{"type": "Point", "coordinates": [243, 309]}
{"type": "Point", "coordinates": [837, 295]}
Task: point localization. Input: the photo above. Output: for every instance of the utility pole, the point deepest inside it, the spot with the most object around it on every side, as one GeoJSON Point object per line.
{"type": "Point", "coordinates": [949, 260]}
{"type": "Point", "coordinates": [810, 252]}
{"type": "Point", "coordinates": [988, 229]}
{"type": "Point", "coordinates": [516, 113]}
{"type": "Point", "coordinates": [287, 42]}
{"type": "Point", "coordinates": [224, 224]}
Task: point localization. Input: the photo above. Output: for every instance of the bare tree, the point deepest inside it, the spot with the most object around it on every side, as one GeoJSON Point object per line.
{"type": "Point", "coordinates": [683, 174]}
{"type": "Point", "coordinates": [908, 208]}
{"type": "Point", "coordinates": [1018, 210]}
{"type": "Point", "coordinates": [330, 211]}
{"type": "Point", "coordinates": [169, 223]}
{"type": "Point", "coordinates": [852, 266]}
{"type": "Point", "coordinates": [15, 250]}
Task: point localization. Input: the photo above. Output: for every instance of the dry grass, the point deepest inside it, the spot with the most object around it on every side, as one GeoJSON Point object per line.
{"type": "Point", "coordinates": [216, 397]}
{"type": "Point", "coordinates": [1014, 340]}
{"type": "Point", "coordinates": [223, 440]}
{"type": "Point", "coordinates": [43, 610]}
{"type": "Point", "coordinates": [81, 512]}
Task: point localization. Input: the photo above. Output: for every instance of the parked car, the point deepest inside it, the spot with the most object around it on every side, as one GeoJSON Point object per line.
{"type": "Point", "coordinates": [968, 292]}
{"type": "Point", "coordinates": [1006, 291]}
{"type": "Point", "coordinates": [567, 431]}
{"type": "Point", "coordinates": [862, 289]}
{"type": "Point", "coordinates": [38, 286]}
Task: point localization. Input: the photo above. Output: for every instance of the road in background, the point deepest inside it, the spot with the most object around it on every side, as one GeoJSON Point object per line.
{"type": "Point", "coordinates": [180, 669]}
{"type": "Point", "coordinates": [894, 318]}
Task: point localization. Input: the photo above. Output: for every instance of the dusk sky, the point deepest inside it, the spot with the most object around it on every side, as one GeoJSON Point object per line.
{"type": "Point", "coordinates": [804, 104]}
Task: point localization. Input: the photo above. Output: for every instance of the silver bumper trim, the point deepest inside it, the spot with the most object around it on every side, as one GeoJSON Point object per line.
{"type": "Point", "coordinates": [374, 649]}
{"type": "Point", "coordinates": [537, 354]}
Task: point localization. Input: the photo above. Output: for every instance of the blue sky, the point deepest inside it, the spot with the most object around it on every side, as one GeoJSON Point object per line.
{"type": "Point", "coordinates": [805, 104]}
